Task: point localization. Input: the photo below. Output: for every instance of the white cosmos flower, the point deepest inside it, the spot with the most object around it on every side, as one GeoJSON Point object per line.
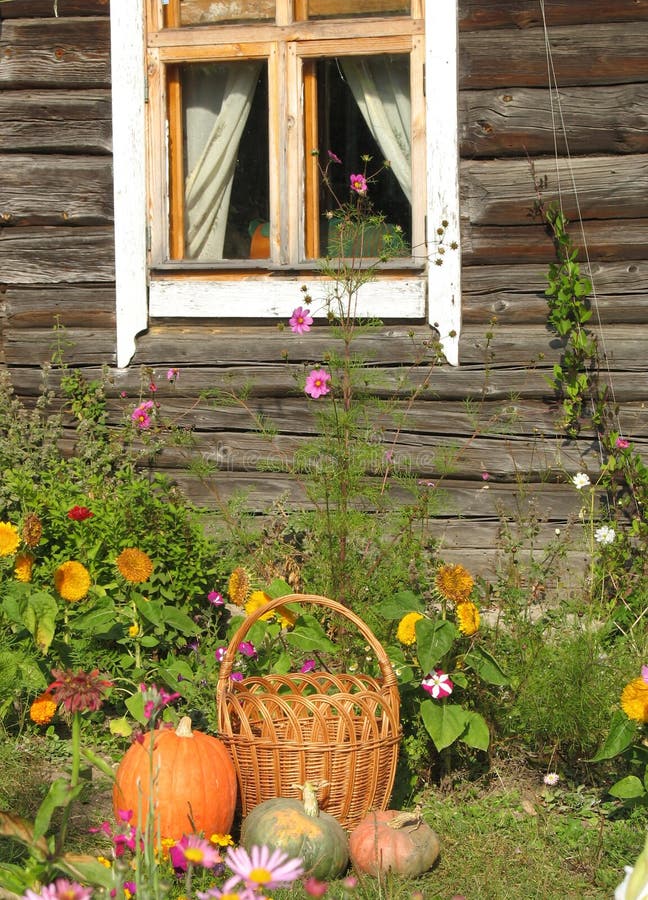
{"type": "Point", "coordinates": [581, 480]}
{"type": "Point", "coordinates": [605, 535]}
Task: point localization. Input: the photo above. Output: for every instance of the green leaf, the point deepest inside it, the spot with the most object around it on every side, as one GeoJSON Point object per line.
{"type": "Point", "coordinates": [308, 635]}
{"type": "Point", "coordinates": [399, 605]}
{"type": "Point", "coordinates": [622, 734]}
{"type": "Point", "coordinates": [283, 664]}
{"type": "Point", "coordinates": [278, 588]}
{"type": "Point", "coordinates": [444, 722]}
{"type": "Point", "coordinates": [628, 788]}
{"type": "Point", "coordinates": [121, 727]}
{"type": "Point", "coordinates": [86, 869]}
{"type": "Point", "coordinates": [149, 610]}
{"type": "Point", "coordinates": [433, 640]}
{"type": "Point", "coordinates": [59, 795]}
{"type": "Point", "coordinates": [485, 665]}
{"type": "Point", "coordinates": [179, 620]}
{"type": "Point", "coordinates": [477, 734]}
{"type": "Point", "coordinates": [135, 706]}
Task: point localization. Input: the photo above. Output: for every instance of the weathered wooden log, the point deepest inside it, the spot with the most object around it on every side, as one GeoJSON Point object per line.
{"type": "Point", "coordinates": [69, 306]}
{"type": "Point", "coordinates": [43, 9]}
{"type": "Point", "coordinates": [503, 192]}
{"type": "Point", "coordinates": [38, 255]}
{"type": "Point", "coordinates": [528, 121]}
{"type": "Point", "coordinates": [529, 13]}
{"type": "Point", "coordinates": [56, 121]}
{"type": "Point", "coordinates": [609, 53]}
{"type": "Point", "coordinates": [52, 189]}
{"type": "Point", "coordinates": [56, 52]}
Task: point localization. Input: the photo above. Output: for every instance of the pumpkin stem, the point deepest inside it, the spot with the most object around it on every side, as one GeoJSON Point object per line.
{"type": "Point", "coordinates": [406, 817]}
{"type": "Point", "coordinates": [309, 796]}
{"type": "Point", "coordinates": [184, 727]}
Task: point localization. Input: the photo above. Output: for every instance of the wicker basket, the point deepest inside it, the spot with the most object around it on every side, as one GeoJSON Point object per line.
{"type": "Point", "coordinates": [283, 730]}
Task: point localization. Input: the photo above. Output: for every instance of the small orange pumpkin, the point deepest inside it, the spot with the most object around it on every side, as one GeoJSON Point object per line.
{"type": "Point", "coordinates": [393, 841]}
{"type": "Point", "coordinates": [193, 777]}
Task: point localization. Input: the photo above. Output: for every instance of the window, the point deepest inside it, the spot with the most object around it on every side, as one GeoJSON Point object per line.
{"type": "Point", "coordinates": [225, 115]}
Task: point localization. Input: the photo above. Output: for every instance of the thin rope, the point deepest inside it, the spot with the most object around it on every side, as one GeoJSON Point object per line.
{"type": "Point", "coordinates": [553, 85]}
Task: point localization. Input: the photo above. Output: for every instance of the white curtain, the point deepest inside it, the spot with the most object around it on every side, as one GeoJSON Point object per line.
{"type": "Point", "coordinates": [217, 103]}
{"type": "Point", "coordinates": [381, 88]}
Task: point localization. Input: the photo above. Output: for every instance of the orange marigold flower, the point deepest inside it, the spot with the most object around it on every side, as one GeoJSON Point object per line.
{"type": "Point", "coordinates": [23, 566]}
{"type": "Point", "coordinates": [9, 539]}
{"type": "Point", "coordinates": [238, 587]}
{"type": "Point", "coordinates": [454, 582]}
{"type": "Point", "coordinates": [42, 709]}
{"type": "Point", "coordinates": [134, 565]}
{"type": "Point", "coordinates": [72, 580]}
{"type": "Point", "coordinates": [467, 618]}
{"type": "Point", "coordinates": [634, 700]}
{"type": "Point", "coordinates": [32, 530]}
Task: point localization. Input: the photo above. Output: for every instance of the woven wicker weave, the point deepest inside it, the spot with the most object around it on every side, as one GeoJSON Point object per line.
{"type": "Point", "coordinates": [283, 730]}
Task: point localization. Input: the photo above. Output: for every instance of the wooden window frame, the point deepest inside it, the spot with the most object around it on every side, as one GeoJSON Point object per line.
{"type": "Point", "coordinates": [148, 286]}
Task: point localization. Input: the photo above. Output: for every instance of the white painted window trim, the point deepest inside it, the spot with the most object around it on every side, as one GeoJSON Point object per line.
{"type": "Point", "coordinates": [261, 296]}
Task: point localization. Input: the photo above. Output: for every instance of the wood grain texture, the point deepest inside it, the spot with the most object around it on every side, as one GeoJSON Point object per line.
{"type": "Point", "coordinates": [55, 121]}
{"type": "Point", "coordinates": [478, 14]}
{"type": "Point", "coordinates": [51, 254]}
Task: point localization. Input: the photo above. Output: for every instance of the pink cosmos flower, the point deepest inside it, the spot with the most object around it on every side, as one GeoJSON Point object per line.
{"type": "Point", "coordinates": [61, 889]}
{"type": "Point", "coordinates": [333, 157]}
{"type": "Point", "coordinates": [248, 649]}
{"type": "Point", "coordinates": [195, 851]}
{"type": "Point", "coordinates": [317, 383]}
{"type": "Point", "coordinates": [309, 665]}
{"type": "Point", "coordinates": [172, 374]}
{"type": "Point", "coordinates": [437, 684]}
{"type": "Point", "coordinates": [358, 184]}
{"type": "Point", "coordinates": [261, 869]}
{"type": "Point", "coordinates": [300, 321]}
{"type": "Point", "coordinates": [141, 415]}
{"type": "Point", "coordinates": [622, 444]}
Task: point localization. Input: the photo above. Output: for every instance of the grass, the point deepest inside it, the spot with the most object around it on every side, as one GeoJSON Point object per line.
{"type": "Point", "coordinates": [503, 836]}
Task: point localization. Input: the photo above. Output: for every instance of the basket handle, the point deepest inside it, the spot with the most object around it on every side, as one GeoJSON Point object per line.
{"type": "Point", "coordinates": [385, 665]}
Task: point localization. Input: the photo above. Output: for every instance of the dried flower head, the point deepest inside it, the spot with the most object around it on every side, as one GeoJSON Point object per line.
{"type": "Point", "coordinates": [238, 587]}
{"type": "Point", "coordinates": [406, 631]}
{"type": "Point", "coordinates": [9, 539]}
{"type": "Point", "coordinates": [23, 565]}
{"type": "Point", "coordinates": [78, 691]}
{"type": "Point", "coordinates": [454, 582]}
{"type": "Point", "coordinates": [134, 565]}
{"type": "Point", "coordinates": [72, 580]}
{"type": "Point", "coordinates": [43, 709]}
{"type": "Point", "coordinates": [32, 530]}
{"type": "Point", "coordinates": [467, 618]}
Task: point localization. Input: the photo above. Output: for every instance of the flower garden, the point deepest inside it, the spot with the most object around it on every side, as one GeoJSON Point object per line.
{"type": "Point", "coordinates": [320, 705]}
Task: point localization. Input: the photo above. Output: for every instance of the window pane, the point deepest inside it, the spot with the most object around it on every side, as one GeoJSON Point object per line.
{"type": "Point", "coordinates": [207, 12]}
{"type": "Point", "coordinates": [364, 110]}
{"type": "Point", "coordinates": [337, 9]}
{"type": "Point", "coordinates": [225, 122]}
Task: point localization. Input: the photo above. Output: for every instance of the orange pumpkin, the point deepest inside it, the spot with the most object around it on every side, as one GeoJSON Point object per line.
{"type": "Point", "coordinates": [193, 777]}
{"type": "Point", "coordinates": [393, 841]}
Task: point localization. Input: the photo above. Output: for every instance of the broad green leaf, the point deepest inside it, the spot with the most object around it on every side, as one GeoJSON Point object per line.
{"type": "Point", "coordinates": [485, 665]}
{"type": "Point", "coordinates": [121, 727]}
{"type": "Point", "coordinates": [149, 610]}
{"type": "Point", "coordinates": [278, 588]}
{"type": "Point", "coordinates": [98, 622]}
{"type": "Point", "coordinates": [433, 640]}
{"type": "Point", "coordinates": [283, 664]}
{"type": "Point", "coordinates": [135, 706]}
{"type": "Point", "coordinates": [444, 722]}
{"type": "Point", "coordinates": [622, 734]}
{"type": "Point", "coordinates": [399, 605]}
{"type": "Point", "coordinates": [628, 788]}
{"type": "Point", "coordinates": [21, 830]}
{"type": "Point", "coordinates": [60, 794]}
{"type": "Point", "coordinates": [38, 610]}
{"type": "Point", "coordinates": [308, 634]}
{"type": "Point", "coordinates": [179, 620]}
{"type": "Point", "coordinates": [14, 881]}
{"type": "Point", "coordinates": [86, 869]}
{"type": "Point", "coordinates": [477, 734]}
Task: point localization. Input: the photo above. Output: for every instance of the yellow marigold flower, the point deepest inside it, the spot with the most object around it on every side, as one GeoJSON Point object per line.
{"type": "Point", "coordinates": [467, 617]}
{"type": "Point", "coordinates": [9, 539]}
{"type": "Point", "coordinates": [258, 599]}
{"type": "Point", "coordinates": [238, 587]}
{"type": "Point", "coordinates": [634, 700]}
{"type": "Point", "coordinates": [222, 840]}
{"type": "Point", "coordinates": [32, 530]}
{"type": "Point", "coordinates": [406, 631]}
{"type": "Point", "coordinates": [23, 566]}
{"type": "Point", "coordinates": [42, 709]}
{"type": "Point", "coordinates": [104, 861]}
{"type": "Point", "coordinates": [134, 565]}
{"type": "Point", "coordinates": [454, 582]}
{"type": "Point", "coordinates": [72, 580]}
{"type": "Point", "coordinates": [134, 630]}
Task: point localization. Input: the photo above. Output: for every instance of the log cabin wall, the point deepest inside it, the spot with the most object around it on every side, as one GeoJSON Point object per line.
{"type": "Point", "coordinates": [56, 264]}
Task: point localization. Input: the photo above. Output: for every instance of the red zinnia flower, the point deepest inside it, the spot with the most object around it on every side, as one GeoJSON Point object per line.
{"type": "Point", "coordinates": [80, 513]}
{"type": "Point", "coordinates": [78, 691]}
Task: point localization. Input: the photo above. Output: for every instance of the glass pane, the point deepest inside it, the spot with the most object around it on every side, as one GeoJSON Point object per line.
{"type": "Point", "coordinates": [225, 122]}
{"type": "Point", "coordinates": [208, 12]}
{"type": "Point", "coordinates": [364, 111]}
{"type": "Point", "coordinates": [341, 9]}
